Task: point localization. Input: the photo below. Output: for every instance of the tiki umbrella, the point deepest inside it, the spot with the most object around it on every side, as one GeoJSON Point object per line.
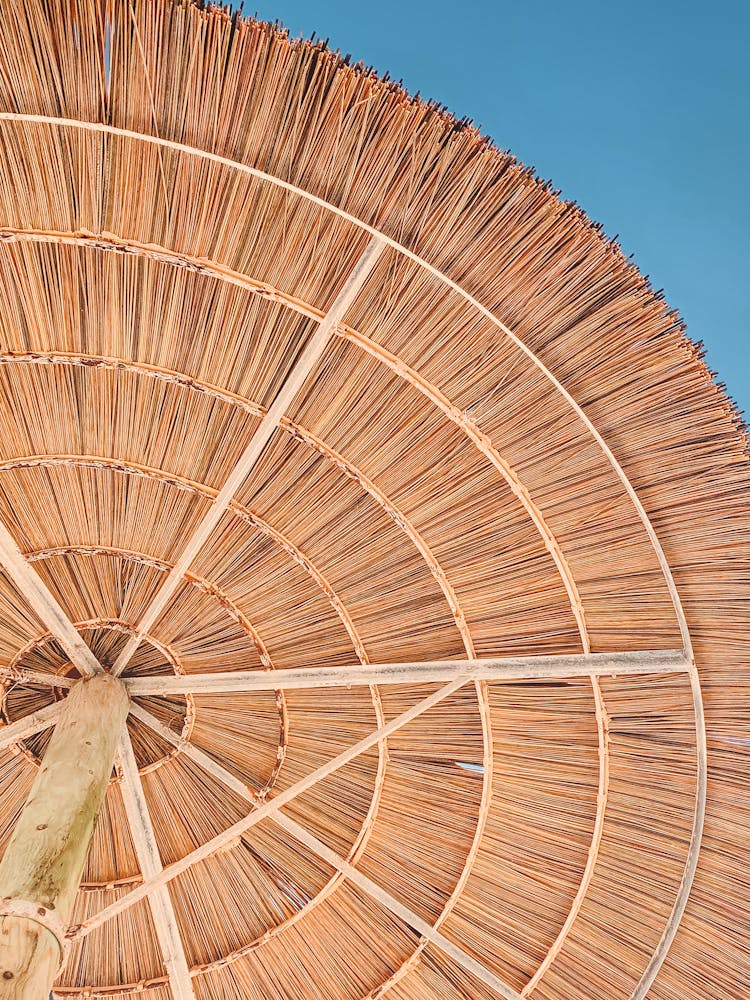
{"type": "Point", "coordinates": [374, 599]}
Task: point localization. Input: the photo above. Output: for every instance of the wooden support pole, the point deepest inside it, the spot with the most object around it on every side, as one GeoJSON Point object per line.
{"type": "Point", "coordinates": [42, 866]}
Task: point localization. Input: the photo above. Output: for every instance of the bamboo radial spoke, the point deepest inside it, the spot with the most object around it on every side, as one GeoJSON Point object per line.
{"type": "Point", "coordinates": [270, 422]}
{"type": "Point", "coordinates": [25, 675]}
{"type": "Point", "coordinates": [34, 590]}
{"type": "Point", "coordinates": [147, 852]}
{"type": "Point", "coordinates": [436, 671]}
{"type": "Point", "coordinates": [194, 753]}
{"type": "Point", "coordinates": [30, 724]}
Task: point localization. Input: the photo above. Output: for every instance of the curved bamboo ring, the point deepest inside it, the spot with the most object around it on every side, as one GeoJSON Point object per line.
{"type": "Point", "coordinates": [701, 748]}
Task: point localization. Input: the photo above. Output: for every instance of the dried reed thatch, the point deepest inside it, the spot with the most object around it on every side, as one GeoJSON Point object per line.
{"type": "Point", "coordinates": [297, 372]}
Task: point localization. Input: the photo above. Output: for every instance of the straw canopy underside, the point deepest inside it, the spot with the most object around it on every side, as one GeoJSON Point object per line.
{"type": "Point", "coordinates": [183, 196]}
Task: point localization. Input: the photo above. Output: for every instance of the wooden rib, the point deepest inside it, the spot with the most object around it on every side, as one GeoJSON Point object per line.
{"type": "Point", "coordinates": [112, 243]}
{"type": "Point", "coordinates": [268, 808]}
{"type": "Point", "coordinates": [40, 599]}
{"type": "Point", "coordinates": [147, 852]}
{"type": "Point", "coordinates": [25, 675]}
{"type": "Point", "coordinates": [114, 991]}
{"type": "Point", "coordinates": [390, 903]}
{"type": "Point", "coordinates": [30, 724]}
{"type": "Point", "coordinates": [498, 669]}
{"type": "Point", "coordinates": [202, 759]}
{"type": "Point", "coordinates": [270, 422]}
{"type": "Point", "coordinates": [199, 582]}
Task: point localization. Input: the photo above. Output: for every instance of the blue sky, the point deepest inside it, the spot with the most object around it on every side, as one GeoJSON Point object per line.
{"type": "Point", "coordinates": [638, 111]}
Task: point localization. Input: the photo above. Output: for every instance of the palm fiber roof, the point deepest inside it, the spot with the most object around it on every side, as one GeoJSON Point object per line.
{"type": "Point", "coordinates": [474, 433]}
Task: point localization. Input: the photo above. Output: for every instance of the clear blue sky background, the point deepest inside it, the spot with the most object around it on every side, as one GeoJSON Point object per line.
{"type": "Point", "coordinates": [638, 111]}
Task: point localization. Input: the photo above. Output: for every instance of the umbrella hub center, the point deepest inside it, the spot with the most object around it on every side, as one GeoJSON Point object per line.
{"type": "Point", "coordinates": [105, 639]}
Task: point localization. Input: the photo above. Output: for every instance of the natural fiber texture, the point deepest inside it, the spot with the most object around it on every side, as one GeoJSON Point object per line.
{"type": "Point", "coordinates": [430, 494]}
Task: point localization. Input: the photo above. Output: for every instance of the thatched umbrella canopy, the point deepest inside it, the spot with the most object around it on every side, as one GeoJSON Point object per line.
{"type": "Point", "coordinates": [414, 526]}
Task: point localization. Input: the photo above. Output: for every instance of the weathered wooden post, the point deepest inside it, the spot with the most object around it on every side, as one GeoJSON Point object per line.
{"type": "Point", "coordinates": [42, 866]}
